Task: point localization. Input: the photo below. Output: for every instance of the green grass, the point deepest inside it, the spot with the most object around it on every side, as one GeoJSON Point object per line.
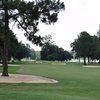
{"type": "Point", "coordinates": [75, 83]}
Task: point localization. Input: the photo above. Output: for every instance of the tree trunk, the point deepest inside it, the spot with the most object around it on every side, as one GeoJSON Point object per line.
{"type": "Point", "coordinates": [79, 59]}
{"type": "Point", "coordinates": [5, 60]}
{"type": "Point", "coordinates": [88, 60]}
{"type": "Point", "coordinates": [84, 58]}
{"type": "Point", "coordinates": [5, 55]}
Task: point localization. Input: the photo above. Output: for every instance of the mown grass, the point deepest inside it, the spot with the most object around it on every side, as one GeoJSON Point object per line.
{"type": "Point", "coordinates": [75, 83]}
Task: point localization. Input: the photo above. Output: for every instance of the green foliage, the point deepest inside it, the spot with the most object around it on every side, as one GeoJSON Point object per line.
{"type": "Point", "coordinates": [17, 50]}
{"type": "Point", "coordinates": [27, 15]}
{"type": "Point", "coordinates": [87, 46]}
{"type": "Point", "coordinates": [52, 52]}
{"type": "Point", "coordinates": [24, 52]}
{"type": "Point", "coordinates": [83, 45]}
{"type": "Point", "coordinates": [96, 53]}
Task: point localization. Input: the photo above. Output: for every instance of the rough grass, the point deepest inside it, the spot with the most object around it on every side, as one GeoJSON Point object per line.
{"type": "Point", "coordinates": [75, 83]}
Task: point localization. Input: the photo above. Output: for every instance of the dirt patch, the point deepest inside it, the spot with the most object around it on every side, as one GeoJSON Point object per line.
{"type": "Point", "coordinates": [18, 78]}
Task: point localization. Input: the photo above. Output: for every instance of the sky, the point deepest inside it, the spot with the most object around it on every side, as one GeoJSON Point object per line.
{"type": "Point", "coordinates": [79, 15]}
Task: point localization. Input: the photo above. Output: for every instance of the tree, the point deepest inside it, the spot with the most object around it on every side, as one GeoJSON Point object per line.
{"type": "Point", "coordinates": [1, 39]}
{"type": "Point", "coordinates": [98, 32]}
{"type": "Point", "coordinates": [47, 39]}
{"type": "Point", "coordinates": [32, 54]}
{"type": "Point", "coordinates": [97, 45]}
{"type": "Point", "coordinates": [27, 15]}
{"type": "Point", "coordinates": [52, 52]}
{"type": "Point", "coordinates": [83, 45]}
{"type": "Point", "coordinates": [14, 47]}
{"type": "Point", "coordinates": [21, 52]}
{"type": "Point", "coordinates": [13, 42]}
{"type": "Point", "coordinates": [47, 47]}
{"type": "Point", "coordinates": [94, 50]}
{"type": "Point", "coordinates": [37, 53]}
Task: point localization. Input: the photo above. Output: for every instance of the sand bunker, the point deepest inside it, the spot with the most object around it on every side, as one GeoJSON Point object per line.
{"type": "Point", "coordinates": [11, 65]}
{"type": "Point", "coordinates": [18, 78]}
{"type": "Point", "coordinates": [58, 63]}
{"type": "Point", "coordinates": [89, 66]}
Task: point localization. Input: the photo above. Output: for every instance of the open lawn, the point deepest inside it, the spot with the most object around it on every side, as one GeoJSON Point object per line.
{"type": "Point", "coordinates": [75, 82]}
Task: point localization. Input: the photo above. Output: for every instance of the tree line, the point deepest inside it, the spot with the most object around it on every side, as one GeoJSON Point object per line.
{"type": "Point", "coordinates": [87, 46]}
{"type": "Point", "coordinates": [52, 52]}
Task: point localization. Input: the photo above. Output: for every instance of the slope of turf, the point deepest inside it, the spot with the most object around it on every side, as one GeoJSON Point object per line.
{"type": "Point", "coordinates": [75, 83]}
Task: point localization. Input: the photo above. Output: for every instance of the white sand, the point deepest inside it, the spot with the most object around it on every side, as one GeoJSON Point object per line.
{"type": "Point", "coordinates": [11, 65]}
{"type": "Point", "coordinates": [89, 66]}
{"type": "Point", "coordinates": [18, 78]}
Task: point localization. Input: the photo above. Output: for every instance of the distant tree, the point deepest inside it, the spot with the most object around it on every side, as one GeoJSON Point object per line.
{"type": "Point", "coordinates": [21, 51]}
{"type": "Point", "coordinates": [98, 32]}
{"type": "Point", "coordinates": [32, 54]}
{"type": "Point", "coordinates": [37, 55]}
{"type": "Point", "coordinates": [46, 50]}
{"type": "Point", "coordinates": [83, 45]}
{"type": "Point", "coordinates": [47, 39]}
{"type": "Point", "coordinates": [63, 55]}
{"type": "Point", "coordinates": [97, 43]}
{"type": "Point", "coordinates": [67, 55]}
{"type": "Point", "coordinates": [52, 52]}
{"type": "Point", "coordinates": [94, 51]}
{"type": "Point", "coordinates": [27, 16]}
{"type": "Point", "coordinates": [28, 50]}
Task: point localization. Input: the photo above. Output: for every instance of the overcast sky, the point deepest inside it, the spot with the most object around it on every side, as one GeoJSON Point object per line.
{"type": "Point", "coordinates": [79, 15]}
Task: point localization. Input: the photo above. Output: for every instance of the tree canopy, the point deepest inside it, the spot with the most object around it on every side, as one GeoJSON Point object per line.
{"type": "Point", "coordinates": [87, 46]}
{"type": "Point", "coordinates": [27, 16]}
{"type": "Point", "coordinates": [16, 49]}
{"type": "Point", "coordinates": [52, 52]}
{"type": "Point", "coordinates": [83, 45]}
